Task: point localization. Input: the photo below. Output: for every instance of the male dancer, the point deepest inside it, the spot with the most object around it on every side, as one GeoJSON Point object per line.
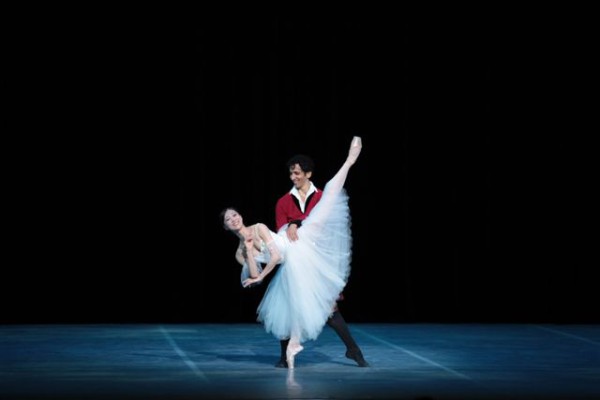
{"type": "Point", "coordinates": [292, 208]}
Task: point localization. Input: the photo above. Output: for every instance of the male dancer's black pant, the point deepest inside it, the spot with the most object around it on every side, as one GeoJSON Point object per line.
{"type": "Point", "coordinates": [337, 322]}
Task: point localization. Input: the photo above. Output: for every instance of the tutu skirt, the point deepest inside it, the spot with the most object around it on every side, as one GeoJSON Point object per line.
{"type": "Point", "coordinates": [314, 271]}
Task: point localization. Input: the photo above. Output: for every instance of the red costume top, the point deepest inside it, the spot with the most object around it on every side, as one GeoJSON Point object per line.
{"type": "Point", "coordinates": [287, 209]}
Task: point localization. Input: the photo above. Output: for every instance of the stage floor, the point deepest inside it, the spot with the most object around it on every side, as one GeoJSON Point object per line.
{"type": "Point", "coordinates": [236, 361]}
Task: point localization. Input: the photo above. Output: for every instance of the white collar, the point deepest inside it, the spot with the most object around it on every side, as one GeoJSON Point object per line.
{"type": "Point", "coordinates": [296, 193]}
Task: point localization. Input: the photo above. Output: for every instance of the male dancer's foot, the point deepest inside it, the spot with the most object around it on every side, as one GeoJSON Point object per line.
{"type": "Point", "coordinates": [282, 363]}
{"type": "Point", "coordinates": [356, 355]}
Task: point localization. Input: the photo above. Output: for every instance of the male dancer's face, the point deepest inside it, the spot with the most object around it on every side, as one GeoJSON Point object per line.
{"type": "Point", "coordinates": [299, 177]}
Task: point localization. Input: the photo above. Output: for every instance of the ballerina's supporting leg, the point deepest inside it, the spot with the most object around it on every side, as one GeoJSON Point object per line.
{"type": "Point", "coordinates": [294, 347]}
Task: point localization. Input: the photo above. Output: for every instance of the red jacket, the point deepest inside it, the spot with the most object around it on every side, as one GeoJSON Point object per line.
{"type": "Point", "coordinates": [288, 210]}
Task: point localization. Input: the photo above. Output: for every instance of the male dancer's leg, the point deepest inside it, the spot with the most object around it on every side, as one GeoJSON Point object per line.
{"type": "Point", "coordinates": [353, 352]}
{"type": "Point", "coordinates": [282, 363]}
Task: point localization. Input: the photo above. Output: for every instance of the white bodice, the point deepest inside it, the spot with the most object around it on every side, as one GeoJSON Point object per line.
{"type": "Point", "coordinates": [264, 255]}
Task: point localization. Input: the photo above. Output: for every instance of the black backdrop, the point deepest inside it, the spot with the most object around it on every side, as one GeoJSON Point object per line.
{"type": "Point", "coordinates": [128, 138]}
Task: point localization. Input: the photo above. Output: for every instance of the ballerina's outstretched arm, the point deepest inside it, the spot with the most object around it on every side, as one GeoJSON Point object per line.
{"type": "Point", "coordinates": [275, 256]}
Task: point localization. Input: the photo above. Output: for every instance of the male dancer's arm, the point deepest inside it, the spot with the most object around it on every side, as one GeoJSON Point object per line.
{"type": "Point", "coordinates": [287, 212]}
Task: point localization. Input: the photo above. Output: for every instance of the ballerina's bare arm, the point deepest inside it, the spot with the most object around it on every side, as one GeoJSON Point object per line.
{"type": "Point", "coordinates": [275, 256]}
{"type": "Point", "coordinates": [239, 254]}
{"type": "Point", "coordinates": [250, 268]}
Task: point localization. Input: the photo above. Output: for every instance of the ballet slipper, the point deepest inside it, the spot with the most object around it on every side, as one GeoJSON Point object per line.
{"type": "Point", "coordinates": [357, 356]}
{"type": "Point", "coordinates": [355, 148]}
{"type": "Point", "coordinates": [291, 352]}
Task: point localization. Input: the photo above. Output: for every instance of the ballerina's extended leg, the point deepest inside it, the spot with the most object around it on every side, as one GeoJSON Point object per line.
{"type": "Point", "coordinates": [336, 183]}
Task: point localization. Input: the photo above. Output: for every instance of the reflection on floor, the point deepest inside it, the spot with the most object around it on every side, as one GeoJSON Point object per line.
{"type": "Point", "coordinates": [236, 361]}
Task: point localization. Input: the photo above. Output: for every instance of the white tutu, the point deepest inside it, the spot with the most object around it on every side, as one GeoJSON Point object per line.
{"type": "Point", "coordinates": [313, 273]}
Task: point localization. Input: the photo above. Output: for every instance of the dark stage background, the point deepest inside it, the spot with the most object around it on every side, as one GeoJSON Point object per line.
{"type": "Point", "coordinates": [128, 137]}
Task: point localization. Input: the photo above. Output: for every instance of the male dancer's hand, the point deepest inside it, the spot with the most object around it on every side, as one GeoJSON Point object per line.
{"type": "Point", "coordinates": [292, 232]}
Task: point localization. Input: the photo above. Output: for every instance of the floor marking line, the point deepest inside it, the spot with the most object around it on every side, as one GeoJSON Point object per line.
{"type": "Point", "coordinates": [567, 334]}
{"type": "Point", "coordinates": [183, 355]}
{"type": "Point", "coordinates": [415, 355]}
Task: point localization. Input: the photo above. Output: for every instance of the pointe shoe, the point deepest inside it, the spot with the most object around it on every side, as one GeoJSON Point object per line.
{"type": "Point", "coordinates": [291, 352]}
{"type": "Point", "coordinates": [355, 148]}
